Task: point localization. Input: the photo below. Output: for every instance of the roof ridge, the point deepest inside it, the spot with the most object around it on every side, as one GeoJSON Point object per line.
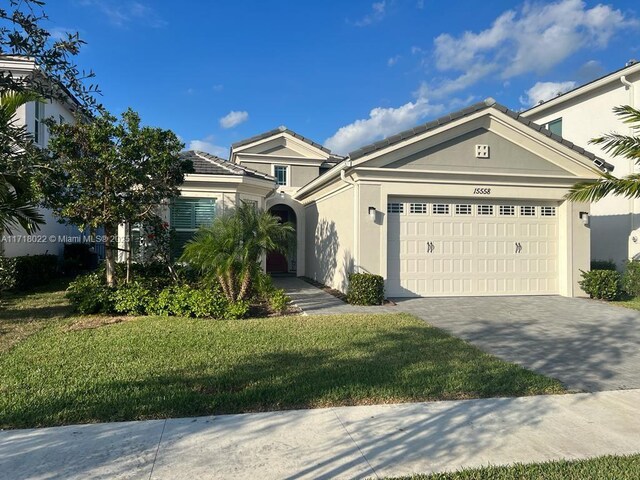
{"type": "Point", "coordinates": [276, 131]}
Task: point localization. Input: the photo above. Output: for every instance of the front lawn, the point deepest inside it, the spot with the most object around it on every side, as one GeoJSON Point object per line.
{"type": "Point", "coordinates": [93, 369]}
{"type": "Point", "coordinates": [607, 467]}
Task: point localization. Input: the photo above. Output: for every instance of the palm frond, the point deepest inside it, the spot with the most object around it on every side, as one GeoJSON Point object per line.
{"type": "Point", "coordinates": [608, 184]}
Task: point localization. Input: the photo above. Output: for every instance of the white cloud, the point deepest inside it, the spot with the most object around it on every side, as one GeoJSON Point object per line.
{"type": "Point", "coordinates": [122, 13]}
{"type": "Point", "coordinates": [420, 4]}
{"type": "Point", "coordinates": [543, 91]}
{"type": "Point", "coordinates": [534, 38]}
{"type": "Point", "coordinates": [61, 33]}
{"type": "Point", "coordinates": [393, 60]}
{"type": "Point", "coordinates": [381, 123]}
{"type": "Point", "coordinates": [207, 145]}
{"type": "Point", "coordinates": [377, 13]}
{"type": "Point", "coordinates": [217, 87]}
{"type": "Point", "coordinates": [234, 118]}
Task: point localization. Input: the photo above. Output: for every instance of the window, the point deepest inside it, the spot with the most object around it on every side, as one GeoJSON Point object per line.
{"type": "Point", "coordinates": [280, 172]}
{"type": "Point", "coordinates": [395, 207]}
{"type": "Point", "coordinates": [253, 203]}
{"type": "Point", "coordinates": [485, 209]}
{"type": "Point", "coordinates": [507, 210]}
{"type": "Point", "coordinates": [187, 215]}
{"type": "Point", "coordinates": [440, 209]}
{"type": "Point", "coordinates": [38, 126]}
{"type": "Point", "coordinates": [463, 209]}
{"type": "Point", "coordinates": [527, 211]}
{"type": "Point", "coordinates": [547, 211]}
{"type": "Point", "coordinates": [555, 126]}
{"type": "Point", "coordinates": [418, 208]}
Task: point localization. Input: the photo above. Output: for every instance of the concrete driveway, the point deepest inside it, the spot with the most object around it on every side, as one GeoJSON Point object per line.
{"type": "Point", "coordinates": [588, 345]}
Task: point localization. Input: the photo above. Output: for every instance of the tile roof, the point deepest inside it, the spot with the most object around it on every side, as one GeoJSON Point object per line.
{"type": "Point", "coordinates": [477, 107]}
{"type": "Point", "coordinates": [276, 131]}
{"type": "Point", "coordinates": [207, 164]}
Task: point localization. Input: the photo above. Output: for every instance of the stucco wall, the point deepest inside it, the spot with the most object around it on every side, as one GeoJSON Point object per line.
{"type": "Point", "coordinates": [330, 239]}
{"type": "Point", "coordinates": [299, 175]}
{"type": "Point", "coordinates": [584, 118]}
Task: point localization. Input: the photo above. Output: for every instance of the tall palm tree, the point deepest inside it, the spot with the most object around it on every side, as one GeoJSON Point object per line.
{"type": "Point", "coordinates": [229, 251]}
{"type": "Point", "coordinates": [626, 146]}
{"type": "Point", "coordinates": [17, 154]}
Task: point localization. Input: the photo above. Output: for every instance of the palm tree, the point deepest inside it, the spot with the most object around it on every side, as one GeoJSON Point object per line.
{"type": "Point", "coordinates": [229, 251]}
{"type": "Point", "coordinates": [626, 146]}
{"type": "Point", "coordinates": [17, 154]}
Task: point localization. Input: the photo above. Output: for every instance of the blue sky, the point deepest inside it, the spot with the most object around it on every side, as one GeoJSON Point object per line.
{"type": "Point", "coordinates": [341, 73]}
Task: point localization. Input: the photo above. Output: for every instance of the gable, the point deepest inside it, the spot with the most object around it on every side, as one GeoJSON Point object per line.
{"type": "Point", "coordinates": [458, 155]}
{"type": "Point", "coordinates": [275, 147]}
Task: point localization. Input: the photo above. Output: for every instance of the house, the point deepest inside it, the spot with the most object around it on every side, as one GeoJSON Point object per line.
{"type": "Point", "coordinates": [584, 113]}
{"type": "Point", "coordinates": [52, 235]}
{"type": "Point", "coordinates": [469, 204]}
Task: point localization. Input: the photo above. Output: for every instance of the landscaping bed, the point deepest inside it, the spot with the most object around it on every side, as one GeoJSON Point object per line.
{"type": "Point", "coordinates": [103, 368]}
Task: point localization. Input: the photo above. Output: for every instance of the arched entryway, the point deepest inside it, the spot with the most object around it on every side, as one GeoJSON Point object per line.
{"type": "Point", "coordinates": [278, 262]}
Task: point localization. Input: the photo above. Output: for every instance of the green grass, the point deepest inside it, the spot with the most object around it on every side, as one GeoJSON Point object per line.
{"type": "Point", "coordinates": [633, 303]}
{"type": "Point", "coordinates": [91, 369]}
{"type": "Point", "coordinates": [608, 467]}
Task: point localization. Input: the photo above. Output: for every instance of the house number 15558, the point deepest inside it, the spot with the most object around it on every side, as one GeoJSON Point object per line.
{"type": "Point", "coordinates": [482, 191]}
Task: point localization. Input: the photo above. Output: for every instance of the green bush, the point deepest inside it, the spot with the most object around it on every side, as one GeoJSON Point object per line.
{"type": "Point", "coordinates": [278, 301]}
{"type": "Point", "coordinates": [237, 310]}
{"type": "Point", "coordinates": [35, 270]}
{"type": "Point", "coordinates": [365, 289]}
{"type": "Point", "coordinates": [262, 286]}
{"type": "Point", "coordinates": [631, 278]}
{"type": "Point", "coordinates": [89, 294]}
{"type": "Point", "coordinates": [131, 299]}
{"type": "Point", "coordinates": [7, 273]}
{"type": "Point", "coordinates": [186, 301]}
{"type": "Point", "coordinates": [602, 284]}
{"type": "Point", "coordinates": [603, 265]}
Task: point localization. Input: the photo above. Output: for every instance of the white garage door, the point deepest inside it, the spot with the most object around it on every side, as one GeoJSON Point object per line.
{"type": "Point", "coordinates": [440, 247]}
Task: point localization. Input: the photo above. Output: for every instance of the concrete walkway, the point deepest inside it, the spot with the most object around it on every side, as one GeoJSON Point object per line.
{"type": "Point", "coordinates": [347, 442]}
{"type": "Point", "coordinates": [314, 301]}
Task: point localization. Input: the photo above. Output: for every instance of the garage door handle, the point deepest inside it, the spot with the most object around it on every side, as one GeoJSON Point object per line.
{"type": "Point", "coordinates": [430, 247]}
{"type": "Point", "coordinates": [518, 247]}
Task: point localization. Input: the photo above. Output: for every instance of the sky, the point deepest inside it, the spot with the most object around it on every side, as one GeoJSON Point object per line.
{"type": "Point", "coordinates": [343, 73]}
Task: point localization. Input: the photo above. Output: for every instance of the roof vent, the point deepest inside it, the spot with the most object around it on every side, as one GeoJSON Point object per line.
{"type": "Point", "coordinates": [633, 61]}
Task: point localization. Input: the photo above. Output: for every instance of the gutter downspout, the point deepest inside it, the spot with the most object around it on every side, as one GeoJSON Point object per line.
{"type": "Point", "coordinates": [632, 167]}
{"type": "Point", "coordinates": [356, 212]}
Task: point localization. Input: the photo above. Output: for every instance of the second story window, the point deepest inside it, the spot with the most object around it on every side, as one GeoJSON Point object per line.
{"type": "Point", "coordinates": [38, 126]}
{"type": "Point", "coordinates": [280, 172]}
{"type": "Point", "coordinates": [555, 126]}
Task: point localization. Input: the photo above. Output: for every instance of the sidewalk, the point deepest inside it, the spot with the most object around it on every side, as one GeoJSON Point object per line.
{"type": "Point", "coordinates": [346, 442]}
{"type": "Point", "coordinates": [314, 301]}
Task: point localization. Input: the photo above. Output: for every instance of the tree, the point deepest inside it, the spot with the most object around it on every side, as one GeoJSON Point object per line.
{"type": "Point", "coordinates": [18, 159]}
{"type": "Point", "coordinates": [229, 251]}
{"type": "Point", "coordinates": [22, 34]}
{"type": "Point", "coordinates": [626, 146]}
{"type": "Point", "coordinates": [106, 172]}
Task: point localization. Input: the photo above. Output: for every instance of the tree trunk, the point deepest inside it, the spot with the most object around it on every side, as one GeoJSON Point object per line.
{"type": "Point", "coordinates": [129, 243]}
{"type": "Point", "coordinates": [109, 250]}
{"type": "Point", "coordinates": [231, 286]}
{"type": "Point", "coordinates": [246, 283]}
{"type": "Point", "coordinates": [225, 288]}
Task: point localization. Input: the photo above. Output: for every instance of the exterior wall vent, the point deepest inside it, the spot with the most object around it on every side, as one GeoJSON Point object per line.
{"type": "Point", "coordinates": [482, 151]}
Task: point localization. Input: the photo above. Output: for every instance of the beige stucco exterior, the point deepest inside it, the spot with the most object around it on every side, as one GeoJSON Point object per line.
{"type": "Point", "coordinates": [339, 206]}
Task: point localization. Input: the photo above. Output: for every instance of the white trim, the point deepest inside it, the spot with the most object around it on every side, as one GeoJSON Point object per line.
{"type": "Point", "coordinates": [287, 174]}
{"type": "Point", "coordinates": [288, 137]}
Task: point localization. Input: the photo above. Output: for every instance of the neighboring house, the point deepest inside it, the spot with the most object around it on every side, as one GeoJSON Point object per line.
{"type": "Point", "coordinates": [469, 204]}
{"type": "Point", "coordinates": [584, 113]}
{"type": "Point", "coordinates": [52, 235]}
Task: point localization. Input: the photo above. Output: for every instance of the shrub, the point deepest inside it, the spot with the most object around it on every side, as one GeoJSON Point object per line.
{"type": "Point", "coordinates": [631, 278]}
{"type": "Point", "coordinates": [262, 287]}
{"type": "Point", "coordinates": [237, 310]}
{"type": "Point", "coordinates": [365, 289]}
{"type": "Point", "coordinates": [89, 294]}
{"type": "Point", "coordinates": [131, 299]}
{"type": "Point", "coordinates": [35, 270]}
{"type": "Point", "coordinates": [603, 265]}
{"type": "Point", "coordinates": [601, 284]}
{"type": "Point", "coordinates": [278, 301]}
{"type": "Point", "coordinates": [7, 273]}
{"type": "Point", "coordinates": [186, 301]}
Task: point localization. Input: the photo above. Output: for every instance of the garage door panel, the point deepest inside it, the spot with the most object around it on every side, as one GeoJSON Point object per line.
{"type": "Point", "coordinates": [473, 249]}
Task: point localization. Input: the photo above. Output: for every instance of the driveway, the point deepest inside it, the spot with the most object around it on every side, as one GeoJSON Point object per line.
{"type": "Point", "coordinates": [588, 345]}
